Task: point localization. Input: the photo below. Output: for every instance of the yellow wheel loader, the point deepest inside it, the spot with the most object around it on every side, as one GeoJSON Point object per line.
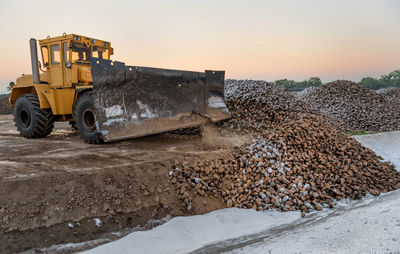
{"type": "Point", "coordinates": [107, 100]}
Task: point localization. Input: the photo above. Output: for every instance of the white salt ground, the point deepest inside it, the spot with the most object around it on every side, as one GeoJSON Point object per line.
{"type": "Point", "coordinates": [385, 144]}
{"type": "Point", "coordinates": [186, 234]}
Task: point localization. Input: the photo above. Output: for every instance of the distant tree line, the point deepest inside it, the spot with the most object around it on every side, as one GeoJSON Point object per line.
{"type": "Point", "coordinates": [285, 83]}
{"type": "Point", "coordinates": [390, 80]}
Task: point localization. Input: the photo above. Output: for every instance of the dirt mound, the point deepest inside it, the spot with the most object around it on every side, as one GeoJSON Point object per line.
{"type": "Point", "coordinates": [60, 190]}
{"type": "Point", "coordinates": [360, 108]}
{"type": "Point", "coordinates": [4, 105]}
{"type": "Point", "coordinates": [392, 94]}
{"type": "Point", "coordinates": [295, 162]}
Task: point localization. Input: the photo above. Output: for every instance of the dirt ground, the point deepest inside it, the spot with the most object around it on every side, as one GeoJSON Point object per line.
{"type": "Point", "coordinates": [53, 188]}
{"type": "Point", "coordinates": [4, 105]}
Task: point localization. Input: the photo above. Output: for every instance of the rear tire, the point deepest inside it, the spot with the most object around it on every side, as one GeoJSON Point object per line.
{"type": "Point", "coordinates": [86, 120]}
{"type": "Point", "coordinates": [31, 120]}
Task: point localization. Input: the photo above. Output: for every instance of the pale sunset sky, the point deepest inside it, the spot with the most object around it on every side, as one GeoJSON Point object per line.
{"type": "Point", "coordinates": [253, 39]}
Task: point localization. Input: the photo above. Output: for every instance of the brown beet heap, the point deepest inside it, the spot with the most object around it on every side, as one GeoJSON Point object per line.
{"type": "Point", "coordinates": [392, 94]}
{"type": "Point", "coordinates": [295, 161]}
{"type": "Point", "coordinates": [360, 108]}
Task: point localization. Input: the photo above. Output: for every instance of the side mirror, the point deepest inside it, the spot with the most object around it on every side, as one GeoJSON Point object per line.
{"type": "Point", "coordinates": [68, 64]}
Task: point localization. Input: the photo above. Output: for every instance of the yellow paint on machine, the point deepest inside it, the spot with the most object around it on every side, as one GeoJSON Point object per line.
{"type": "Point", "coordinates": [65, 64]}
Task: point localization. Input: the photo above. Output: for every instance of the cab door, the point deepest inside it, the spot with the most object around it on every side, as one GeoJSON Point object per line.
{"type": "Point", "coordinates": [56, 68]}
{"type": "Point", "coordinates": [70, 70]}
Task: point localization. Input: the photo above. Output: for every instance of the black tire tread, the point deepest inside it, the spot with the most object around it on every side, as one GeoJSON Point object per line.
{"type": "Point", "coordinates": [45, 119]}
{"type": "Point", "coordinates": [95, 139]}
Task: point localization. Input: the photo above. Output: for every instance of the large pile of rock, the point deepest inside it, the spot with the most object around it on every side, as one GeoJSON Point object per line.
{"type": "Point", "coordinates": [4, 105]}
{"type": "Point", "coordinates": [360, 108]}
{"type": "Point", "coordinates": [296, 161]}
{"type": "Point", "coordinates": [392, 94]}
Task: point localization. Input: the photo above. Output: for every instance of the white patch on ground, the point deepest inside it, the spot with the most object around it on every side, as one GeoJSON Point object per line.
{"type": "Point", "coordinates": [8, 163]}
{"type": "Point", "coordinates": [385, 144]}
{"type": "Point", "coordinates": [97, 221]}
{"type": "Point", "coordinates": [20, 176]}
{"type": "Point", "coordinates": [113, 111]}
{"type": "Point", "coordinates": [186, 234]}
{"type": "Point", "coordinates": [147, 112]}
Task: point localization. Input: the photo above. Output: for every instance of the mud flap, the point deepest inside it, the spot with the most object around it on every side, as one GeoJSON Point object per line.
{"type": "Point", "coordinates": [132, 101]}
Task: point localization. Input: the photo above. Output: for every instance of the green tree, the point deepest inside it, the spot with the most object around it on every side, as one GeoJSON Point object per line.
{"type": "Point", "coordinates": [371, 83]}
{"type": "Point", "coordinates": [391, 80]}
{"type": "Point", "coordinates": [314, 81]}
{"type": "Point", "coordinates": [285, 83]}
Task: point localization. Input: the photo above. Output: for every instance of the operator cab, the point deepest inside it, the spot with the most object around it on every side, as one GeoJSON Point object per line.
{"type": "Point", "coordinates": [66, 58]}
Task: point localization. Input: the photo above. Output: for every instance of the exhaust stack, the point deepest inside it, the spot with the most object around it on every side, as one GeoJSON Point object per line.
{"type": "Point", "coordinates": [34, 61]}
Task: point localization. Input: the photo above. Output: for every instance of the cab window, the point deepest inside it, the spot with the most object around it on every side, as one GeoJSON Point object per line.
{"type": "Point", "coordinates": [66, 52]}
{"type": "Point", "coordinates": [80, 53]}
{"type": "Point", "coordinates": [55, 54]}
{"type": "Point", "coordinates": [100, 52]}
{"type": "Point", "coordinates": [45, 56]}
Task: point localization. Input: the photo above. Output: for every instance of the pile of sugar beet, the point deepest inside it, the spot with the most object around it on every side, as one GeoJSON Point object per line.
{"type": "Point", "coordinates": [392, 94]}
{"type": "Point", "coordinates": [360, 108]}
{"type": "Point", "coordinates": [295, 159]}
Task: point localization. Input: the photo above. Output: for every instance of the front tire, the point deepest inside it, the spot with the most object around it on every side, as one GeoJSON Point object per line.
{"type": "Point", "coordinates": [31, 120]}
{"type": "Point", "coordinates": [86, 120]}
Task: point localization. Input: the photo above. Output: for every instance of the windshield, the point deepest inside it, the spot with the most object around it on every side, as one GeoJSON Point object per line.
{"type": "Point", "coordinates": [100, 52]}
{"type": "Point", "coordinates": [80, 53]}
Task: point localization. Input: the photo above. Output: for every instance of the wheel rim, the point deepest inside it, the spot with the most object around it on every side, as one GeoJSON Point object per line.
{"type": "Point", "coordinates": [89, 120]}
{"type": "Point", "coordinates": [25, 117]}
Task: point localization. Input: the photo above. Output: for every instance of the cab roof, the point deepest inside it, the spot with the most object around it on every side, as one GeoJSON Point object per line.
{"type": "Point", "coordinates": [76, 38]}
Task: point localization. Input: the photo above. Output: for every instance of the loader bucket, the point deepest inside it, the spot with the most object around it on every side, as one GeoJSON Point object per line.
{"type": "Point", "coordinates": [132, 101]}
